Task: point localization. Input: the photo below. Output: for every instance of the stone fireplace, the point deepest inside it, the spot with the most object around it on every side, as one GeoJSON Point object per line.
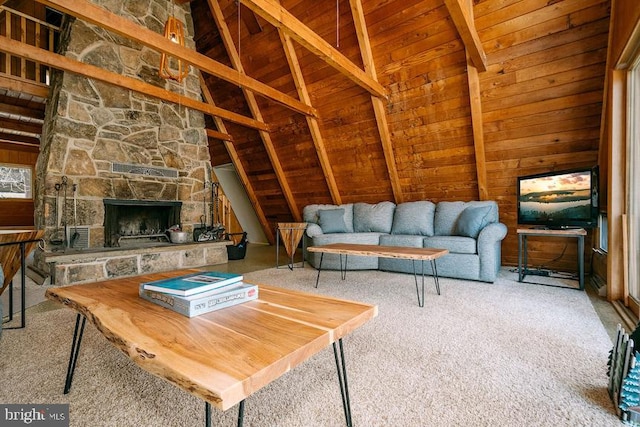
{"type": "Point", "coordinates": [110, 143]}
{"type": "Point", "coordinates": [117, 149]}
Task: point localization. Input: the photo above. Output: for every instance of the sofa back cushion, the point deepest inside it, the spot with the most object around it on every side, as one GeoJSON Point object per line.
{"type": "Point", "coordinates": [414, 218]}
{"type": "Point", "coordinates": [332, 220]}
{"type": "Point", "coordinates": [310, 214]}
{"type": "Point", "coordinates": [377, 217]}
{"type": "Point", "coordinates": [450, 221]}
{"type": "Point", "coordinates": [446, 215]}
{"type": "Point", "coordinates": [472, 220]}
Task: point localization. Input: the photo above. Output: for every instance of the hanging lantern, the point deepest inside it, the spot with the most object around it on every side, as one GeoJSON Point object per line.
{"type": "Point", "coordinates": [174, 31]}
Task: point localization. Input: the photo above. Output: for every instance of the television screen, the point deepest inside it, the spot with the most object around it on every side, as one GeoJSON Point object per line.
{"type": "Point", "coordinates": [559, 199]}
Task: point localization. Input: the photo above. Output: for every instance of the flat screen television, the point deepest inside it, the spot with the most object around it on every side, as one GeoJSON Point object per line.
{"type": "Point", "coordinates": [559, 199]}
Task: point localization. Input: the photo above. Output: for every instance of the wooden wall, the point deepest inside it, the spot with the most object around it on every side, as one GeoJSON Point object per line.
{"type": "Point", "coordinates": [14, 212]}
{"type": "Point", "coordinates": [541, 99]}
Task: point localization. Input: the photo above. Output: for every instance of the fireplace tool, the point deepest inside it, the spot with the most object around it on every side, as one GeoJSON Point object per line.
{"type": "Point", "coordinates": [75, 235]}
{"type": "Point", "coordinates": [55, 238]}
{"type": "Point", "coordinates": [65, 217]}
{"type": "Point", "coordinates": [198, 231]}
{"type": "Point", "coordinates": [216, 230]}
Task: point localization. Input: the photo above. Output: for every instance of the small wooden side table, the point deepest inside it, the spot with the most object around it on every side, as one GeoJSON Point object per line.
{"type": "Point", "coordinates": [292, 233]}
{"type": "Point", "coordinates": [523, 233]}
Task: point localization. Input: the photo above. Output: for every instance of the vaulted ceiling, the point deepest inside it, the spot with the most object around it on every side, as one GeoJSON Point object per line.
{"type": "Point", "coordinates": [368, 100]}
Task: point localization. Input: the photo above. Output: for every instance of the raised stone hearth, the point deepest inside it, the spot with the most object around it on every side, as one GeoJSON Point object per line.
{"type": "Point", "coordinates": [74, 267]}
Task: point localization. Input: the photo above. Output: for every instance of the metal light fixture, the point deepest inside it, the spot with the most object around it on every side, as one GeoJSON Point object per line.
{"type": "Point", "coordinates": [174, 31]}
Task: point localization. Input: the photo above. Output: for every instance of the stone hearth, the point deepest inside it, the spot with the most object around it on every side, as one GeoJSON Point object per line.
{"type": "Point", "coordinates": [74, 267]}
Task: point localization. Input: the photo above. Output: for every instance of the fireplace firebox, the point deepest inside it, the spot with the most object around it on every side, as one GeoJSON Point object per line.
{"type": "Point", "coordinates": [138, 219]}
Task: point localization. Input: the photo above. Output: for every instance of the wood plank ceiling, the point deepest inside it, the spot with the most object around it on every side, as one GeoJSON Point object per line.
{"type": "Point", "coordinates": [368, 100]}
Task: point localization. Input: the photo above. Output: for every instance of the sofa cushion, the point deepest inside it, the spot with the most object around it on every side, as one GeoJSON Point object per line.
{"type": "Point", "coordinates": [493, 212]}
{"type": "Point", "coordinates": [472, 220]}
{"type": "Point", "coordinates": [401, 240]}
{"type": "Point", "coordinates": [455, 244]}
{"type": "Point", "coordinates": [376, 218]}
{"type": "Point", "coordinates": [310, 213]}
{"type": "Point", "coordinates": [332, 220]}
{"type": "Point", "coordinates": [361, 238]}
{"type": "Point", "coordinates": [446, 216]}
{"type": "Point", "coordinates": [414, 218]}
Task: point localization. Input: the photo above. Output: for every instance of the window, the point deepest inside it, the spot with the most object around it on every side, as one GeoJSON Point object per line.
{"type": "Point", "coordinates": [603, 243]}
{"type": "Point", "coordinates": [633, 178]}
{"type": "Point", "coordinates": [15, 182]}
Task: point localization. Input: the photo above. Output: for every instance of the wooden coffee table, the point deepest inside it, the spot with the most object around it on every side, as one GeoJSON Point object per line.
{"type": "Point", "coordinates": [400, 252]}
{"type": "Point", "coordinates": [224, 356]}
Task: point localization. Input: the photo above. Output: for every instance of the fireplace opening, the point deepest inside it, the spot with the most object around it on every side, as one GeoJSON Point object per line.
{"type": "Point", "coordinates": [138, 221]}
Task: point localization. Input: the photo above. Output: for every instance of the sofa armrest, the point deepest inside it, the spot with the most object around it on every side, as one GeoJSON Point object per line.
{"type": "Point", "coordinates": [313, 230]}
{"type": "Point", "coordinates": [489, 250]}
{"type": "Point", "coordinates": [492, 233]}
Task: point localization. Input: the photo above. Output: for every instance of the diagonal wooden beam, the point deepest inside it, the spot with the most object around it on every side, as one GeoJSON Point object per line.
{"type": "Point", "coordinates": [219, 135]}
{"type": "Point", "coordinates": [312, 122]}
{"type": "Point", "coordinates": [242, 174]}
{"type": "Point", "coordinates": [218, 17]}
{"type": "Point", "coordinates": [462, 16]}
{"type": "Point", "coordinates": [378, 105]}
{"type": "Point", "coordinates": [67, 64]}
{"type": "Point", "coordinates": [101, 17]}
{"type": "Point", "coordinates": [477, 125]}
{"type": "Point", "coordinates": [279, 17]}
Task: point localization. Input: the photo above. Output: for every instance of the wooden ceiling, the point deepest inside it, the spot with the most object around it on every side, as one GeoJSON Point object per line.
{"type": "Point", "coordinates": [369, 100]}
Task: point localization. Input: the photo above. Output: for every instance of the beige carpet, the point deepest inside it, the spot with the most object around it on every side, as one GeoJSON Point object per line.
{"type": "Point", "coordinates": [503, 354]}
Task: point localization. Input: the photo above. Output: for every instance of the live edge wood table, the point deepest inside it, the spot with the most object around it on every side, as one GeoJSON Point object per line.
{"type": "Point", "coordinates": [224, 356]}
{"type": "Point", "coordinates": [401, 252]}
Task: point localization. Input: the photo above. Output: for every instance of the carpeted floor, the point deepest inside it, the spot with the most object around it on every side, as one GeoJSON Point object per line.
{"type": "Point", "coordinates": [502, 354]}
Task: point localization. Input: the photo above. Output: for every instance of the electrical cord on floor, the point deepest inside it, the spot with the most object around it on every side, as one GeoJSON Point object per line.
{"type": "Point", "coordinates": [551, 273]}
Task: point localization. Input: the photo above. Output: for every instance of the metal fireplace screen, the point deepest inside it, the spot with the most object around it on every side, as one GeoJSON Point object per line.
{"type": "Point", "coordinates": [131, 218]}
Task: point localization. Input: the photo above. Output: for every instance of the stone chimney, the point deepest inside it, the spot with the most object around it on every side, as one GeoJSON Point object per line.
{"type": "Point", "coordinates": [111, 143]}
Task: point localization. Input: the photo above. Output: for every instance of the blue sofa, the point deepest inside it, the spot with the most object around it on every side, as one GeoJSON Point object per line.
{"type": "Point", "coordinates": [471, 231]}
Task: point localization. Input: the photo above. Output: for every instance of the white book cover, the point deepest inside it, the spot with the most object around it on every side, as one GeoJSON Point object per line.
{"type": "Point", "coordinates": [204, 302]}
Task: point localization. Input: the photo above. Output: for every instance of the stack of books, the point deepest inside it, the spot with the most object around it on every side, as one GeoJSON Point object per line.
{"type": "Point", "coordinates": [199, 293]}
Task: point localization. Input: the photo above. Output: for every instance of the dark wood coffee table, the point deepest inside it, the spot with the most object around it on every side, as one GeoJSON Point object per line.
{"type": "Point", "coordinates": [224, 356]}
{"type": "Point", "coordinates": [400, 252]}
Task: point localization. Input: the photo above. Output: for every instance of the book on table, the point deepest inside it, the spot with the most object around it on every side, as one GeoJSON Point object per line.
{"type": "Point", "coordinates": [194, 283]}
{"type": "Point", "coordinates": [203, 302]}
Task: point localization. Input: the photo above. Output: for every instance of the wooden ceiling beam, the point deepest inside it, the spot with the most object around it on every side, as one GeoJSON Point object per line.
{"type": "Point", "coordinates": [101, 17]}
{"type": "Point", "coordinates": [312, 122]}
{"type": "Point", "coordinates": [218, 135]}
{"type": "Point", "coordinates": [67, 64]}
{"type": "Point", "coordinates": [236, 63]}
{"type": "Point", "coordinates": [16, 110]}
{"type": "Point", "coordinates": [462, 16]}
{"type": "Point", "coordinates": [279, 17]}
{"type": "Point", "coordinates": [19, 85]}
{"type": "Point", "coordinates": [378, 105]}
{"type": "Point", "coordinates": [20, 126]}
{"type": "Point", "coordinates": [477, 125]}
{"type": "Point", "coordinates": [242, 174]}
{"type": "Point", "coordinates": [11, 138]}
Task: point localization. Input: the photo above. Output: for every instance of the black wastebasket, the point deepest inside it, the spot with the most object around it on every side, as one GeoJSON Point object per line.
{"type": "Point", "coordinates": [238, 250]}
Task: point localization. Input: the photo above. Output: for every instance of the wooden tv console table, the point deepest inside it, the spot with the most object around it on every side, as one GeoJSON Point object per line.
{"type": "Point", "coordinates": [523, 233]}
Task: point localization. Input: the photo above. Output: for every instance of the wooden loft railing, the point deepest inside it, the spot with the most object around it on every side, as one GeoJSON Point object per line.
{"type": "Point", "coordinates": [26, 29]}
